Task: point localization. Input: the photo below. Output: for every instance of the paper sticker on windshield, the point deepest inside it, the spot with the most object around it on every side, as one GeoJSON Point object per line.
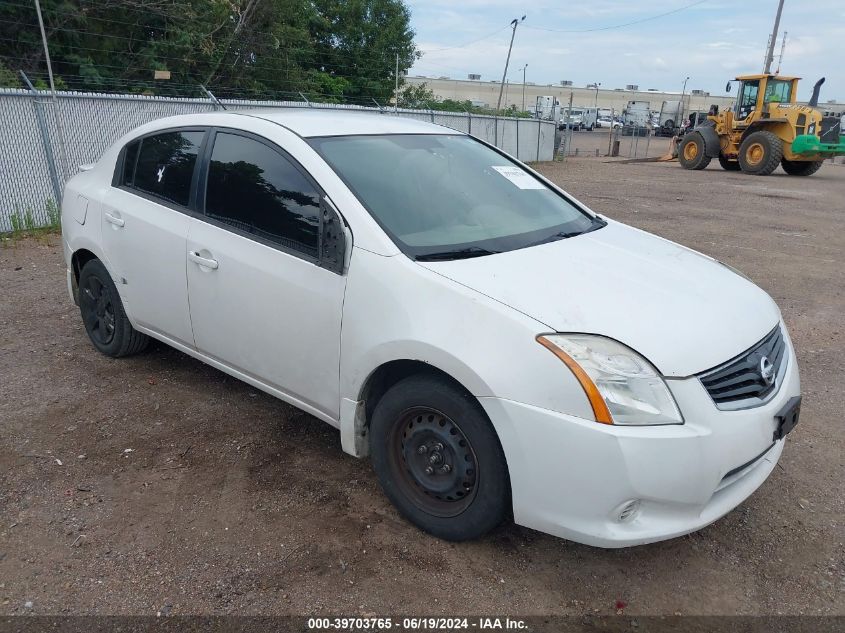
{"type": "Point", "coordinates": [520, 178]}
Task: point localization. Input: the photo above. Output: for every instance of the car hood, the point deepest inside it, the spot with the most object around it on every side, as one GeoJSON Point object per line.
{"type": "Point", "coordinates": [682, 310]}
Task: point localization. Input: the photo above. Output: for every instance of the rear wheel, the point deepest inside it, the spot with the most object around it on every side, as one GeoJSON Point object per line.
{"type": "Point", "coordinates": [801, 167]}
{"type": "Point", "coordinates": [727, 164]}
{"type": "Point", "coordinates": [438, 459]}
{"type": "Point", "coordinates": [103, 315]}
{"type": "Point", "coordinates": [760, 153]}
{"type": "Point", "coordinates": [691, 153]}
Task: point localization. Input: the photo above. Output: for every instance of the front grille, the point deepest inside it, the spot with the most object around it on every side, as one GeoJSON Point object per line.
{"type": "Point", "coordinates": [831, 129]}
{"type": "Point", "coordinates": [740, 381]}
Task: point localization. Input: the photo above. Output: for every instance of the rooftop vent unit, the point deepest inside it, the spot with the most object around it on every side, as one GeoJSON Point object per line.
{"type": "Point", "coordinates": [632, 87]}
{"type": "Point", "coordinates": [700, 93]}
{"type": "Point", "coordinates": [565, 82]}
{"type": "Point", "coordinates": [474, 77]}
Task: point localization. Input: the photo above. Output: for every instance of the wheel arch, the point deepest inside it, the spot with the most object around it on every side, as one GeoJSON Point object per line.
{"type": "Point", "coordinates": [81, 255]}
{"type": "Point", "coordinates": [712, 144]}
{"type": "Point", "coordinates": [355, 414]}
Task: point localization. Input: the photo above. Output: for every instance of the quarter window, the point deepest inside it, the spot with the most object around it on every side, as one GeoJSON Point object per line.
{"type": "Point", "coordinates": [255, 189]}
{"type": "Point", "coordinates": [165, 165]}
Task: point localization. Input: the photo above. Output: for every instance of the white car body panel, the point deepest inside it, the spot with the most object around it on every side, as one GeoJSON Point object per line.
{"type": "Point", "coordinates": [282, 326]}
{"type": "Point", "coordinates": [147, 257]}
{"type": "Point", "coordinates": [313, 337]}
{"type": "Point", "coordinates": [614, 280]}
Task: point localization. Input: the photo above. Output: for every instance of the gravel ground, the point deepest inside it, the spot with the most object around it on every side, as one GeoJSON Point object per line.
{"type": "Point", "coordinates": [157, 484]}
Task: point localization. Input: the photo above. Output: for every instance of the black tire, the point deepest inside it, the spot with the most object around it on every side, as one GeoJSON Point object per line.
{"type": "Point", "coordinates": [103, 315]}
{"type": "Point", "coordinates": [801, 167]}
{"type": "Point", "coordinates": [760, 153]}
{"type": "Point", "coordinates": [692, 153]}
{"type": "Point", "coordinates": [423, 426]}
{"type": "Point", "coordinates": [728, 165]}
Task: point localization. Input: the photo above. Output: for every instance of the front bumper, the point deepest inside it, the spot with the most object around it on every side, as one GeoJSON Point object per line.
{"type": "Point", "coordinates": [811, 145]}
{"type": "Point", "coordinates": [573, 478]}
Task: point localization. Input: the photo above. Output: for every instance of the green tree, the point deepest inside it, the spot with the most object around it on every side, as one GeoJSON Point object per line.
{"type": "Point", "coordinates": [238, 48]}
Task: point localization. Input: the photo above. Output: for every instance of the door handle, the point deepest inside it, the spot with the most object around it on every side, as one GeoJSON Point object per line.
{"type": "Point", "coordinates": [202, 261]}
{"type": "Point", "coordinates": [114, 220]}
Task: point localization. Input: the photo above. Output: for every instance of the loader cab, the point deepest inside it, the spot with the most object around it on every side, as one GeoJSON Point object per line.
{"type": "Point", "coordinates": [756, 92]}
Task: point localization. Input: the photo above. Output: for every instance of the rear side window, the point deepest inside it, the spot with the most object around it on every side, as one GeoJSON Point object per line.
{"type": "Point", "coordinates": [256, 189]}
{"type": "Point", "coordinates": [165, 165]}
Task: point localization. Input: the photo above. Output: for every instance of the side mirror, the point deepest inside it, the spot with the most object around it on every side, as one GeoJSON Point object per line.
{"type": "Point", "coordinates": [332, 253]}
{"type": "Point", "coordinates": [728, 86]}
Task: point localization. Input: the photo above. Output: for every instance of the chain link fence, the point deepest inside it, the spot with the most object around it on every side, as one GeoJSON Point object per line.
{"type": "Point", "coordinates": [43, 141]}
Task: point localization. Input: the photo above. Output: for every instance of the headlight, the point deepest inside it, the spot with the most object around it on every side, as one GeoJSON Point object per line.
{"type": "Point", "coordinates": [622, 386]}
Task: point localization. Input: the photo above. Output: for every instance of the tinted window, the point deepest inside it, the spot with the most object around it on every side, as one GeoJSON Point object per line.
{"type": "Point", "coordinates": [255, 189]}
{"type": "Point", "coordinates": [166, 165]}
{"type": "Point", "coordinates": [441, 193]}
{"type": "Point", "coordinates": [129, 158]}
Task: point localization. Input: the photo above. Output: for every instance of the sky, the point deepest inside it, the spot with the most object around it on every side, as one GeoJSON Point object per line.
{"type": "Point", "coordinates": [711, 42]}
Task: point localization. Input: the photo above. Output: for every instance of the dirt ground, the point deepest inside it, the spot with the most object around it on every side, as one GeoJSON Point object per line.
{"type": "Point", "coordinates": [157, 484]}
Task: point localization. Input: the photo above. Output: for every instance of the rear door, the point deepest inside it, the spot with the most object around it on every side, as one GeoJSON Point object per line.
{"type": "Point", "coordinates": [145, 228]}
{"type": "Point", "coordinates": [261, 302]}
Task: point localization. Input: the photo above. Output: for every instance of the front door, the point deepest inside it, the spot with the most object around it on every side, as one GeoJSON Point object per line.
{"type": "Point", "coordinates": [145, 230]}
{"type": "Point", "coordinates": [260, 303]}
{"type": "Point", "coordinates": [747, 99]}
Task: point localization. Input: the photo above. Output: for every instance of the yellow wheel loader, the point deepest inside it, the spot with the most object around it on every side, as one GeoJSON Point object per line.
{"type": "Point", "coordinates": [765, 128]}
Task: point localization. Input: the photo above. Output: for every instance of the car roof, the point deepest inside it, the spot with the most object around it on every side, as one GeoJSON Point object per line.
{"type": "Point", "coordinates": [310, 122]}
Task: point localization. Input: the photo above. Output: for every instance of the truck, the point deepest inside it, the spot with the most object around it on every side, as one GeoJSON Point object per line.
{"type": "Point", "coordinates": [669, 120]}
{"type": "Point", "coordinates": [547, 108]}
{"type": "Point", "coordinates": [637, 114]}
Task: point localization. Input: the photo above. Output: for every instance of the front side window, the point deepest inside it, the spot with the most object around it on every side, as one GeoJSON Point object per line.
{"type": "Point", "coordinates": [748, 99]}
{"type": "Point", "coordinates": [255, 189]}
{"type": "Point", "coordinates": [165, 165]}
{"type": "Point", "coordinates": [450, 196]}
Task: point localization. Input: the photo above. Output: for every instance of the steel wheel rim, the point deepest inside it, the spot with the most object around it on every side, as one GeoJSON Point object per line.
{"type": "Point", "coordinates": [436, 466]}
{"type": "Point", "coordinates": [690, 150]}
{"type": "Point", "coordinates": [97, 310]}
{"type": "Point", "coordinates": [755, 153]}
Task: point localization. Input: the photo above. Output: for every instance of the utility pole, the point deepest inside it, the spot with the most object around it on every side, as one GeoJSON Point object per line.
{"type": "Point", "coordinates": [53, 90]}
{"type": "Point", "coordinates": [683, 94]}
{"type": "Point", "coordinates": [596, 86]}
{"type": "Point", "coordinates": [773, 40]}
{"type": "Point", "coordinates": [396, 95]}
{"type": "Point", "coordinates": [514, 23]}
{"type": "Point", "coordinates": [523, 87]}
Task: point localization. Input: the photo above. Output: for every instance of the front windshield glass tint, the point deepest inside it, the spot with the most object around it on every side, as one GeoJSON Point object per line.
{"type": "Point", "coordinates": [441, 193]}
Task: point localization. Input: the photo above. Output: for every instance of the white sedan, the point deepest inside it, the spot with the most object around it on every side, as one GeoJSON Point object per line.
{"type": "Point", "coordinates": [493, 345]}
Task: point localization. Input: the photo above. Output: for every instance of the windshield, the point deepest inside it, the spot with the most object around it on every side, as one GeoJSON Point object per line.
{"type": "Point", "coordinates": [446, 197]}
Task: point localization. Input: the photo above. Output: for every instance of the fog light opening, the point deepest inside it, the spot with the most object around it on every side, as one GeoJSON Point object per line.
{"type": "Point", "coordinates": [628, 511]}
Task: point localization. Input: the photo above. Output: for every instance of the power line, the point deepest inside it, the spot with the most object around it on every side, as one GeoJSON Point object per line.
{"type": "Point", "coordinates": [619, 26]}
{"type": "Point", "coordinates": [449, 48]}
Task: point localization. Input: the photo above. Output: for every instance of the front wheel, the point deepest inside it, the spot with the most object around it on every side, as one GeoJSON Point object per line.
{"type": "Point", "coordinates": [691, 153]}
{"type": "Point", "coordinates": [801, 167]}
{"type": "Point", "coordinates": [438, 459]}
{"type": "Point", "coordinates": [103, 315]}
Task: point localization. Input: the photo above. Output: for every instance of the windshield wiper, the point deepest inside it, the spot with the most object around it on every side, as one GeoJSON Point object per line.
{"type": "Point", "coordinates": [460, 253]}
{"type": "Point", "coordinates": [562, 235]}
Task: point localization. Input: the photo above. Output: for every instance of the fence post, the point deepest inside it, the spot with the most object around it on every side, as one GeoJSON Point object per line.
{"type": "Point", "coordinates": [539, 128]}
{"type": "Point", "coordinates": [496, 130]}
{"type": "Point", "coordinates": [45, 139]}
{"type": "Point", "coordinates": [469, 125]}
{"type": "Point", "coordinates": [516, 121]}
